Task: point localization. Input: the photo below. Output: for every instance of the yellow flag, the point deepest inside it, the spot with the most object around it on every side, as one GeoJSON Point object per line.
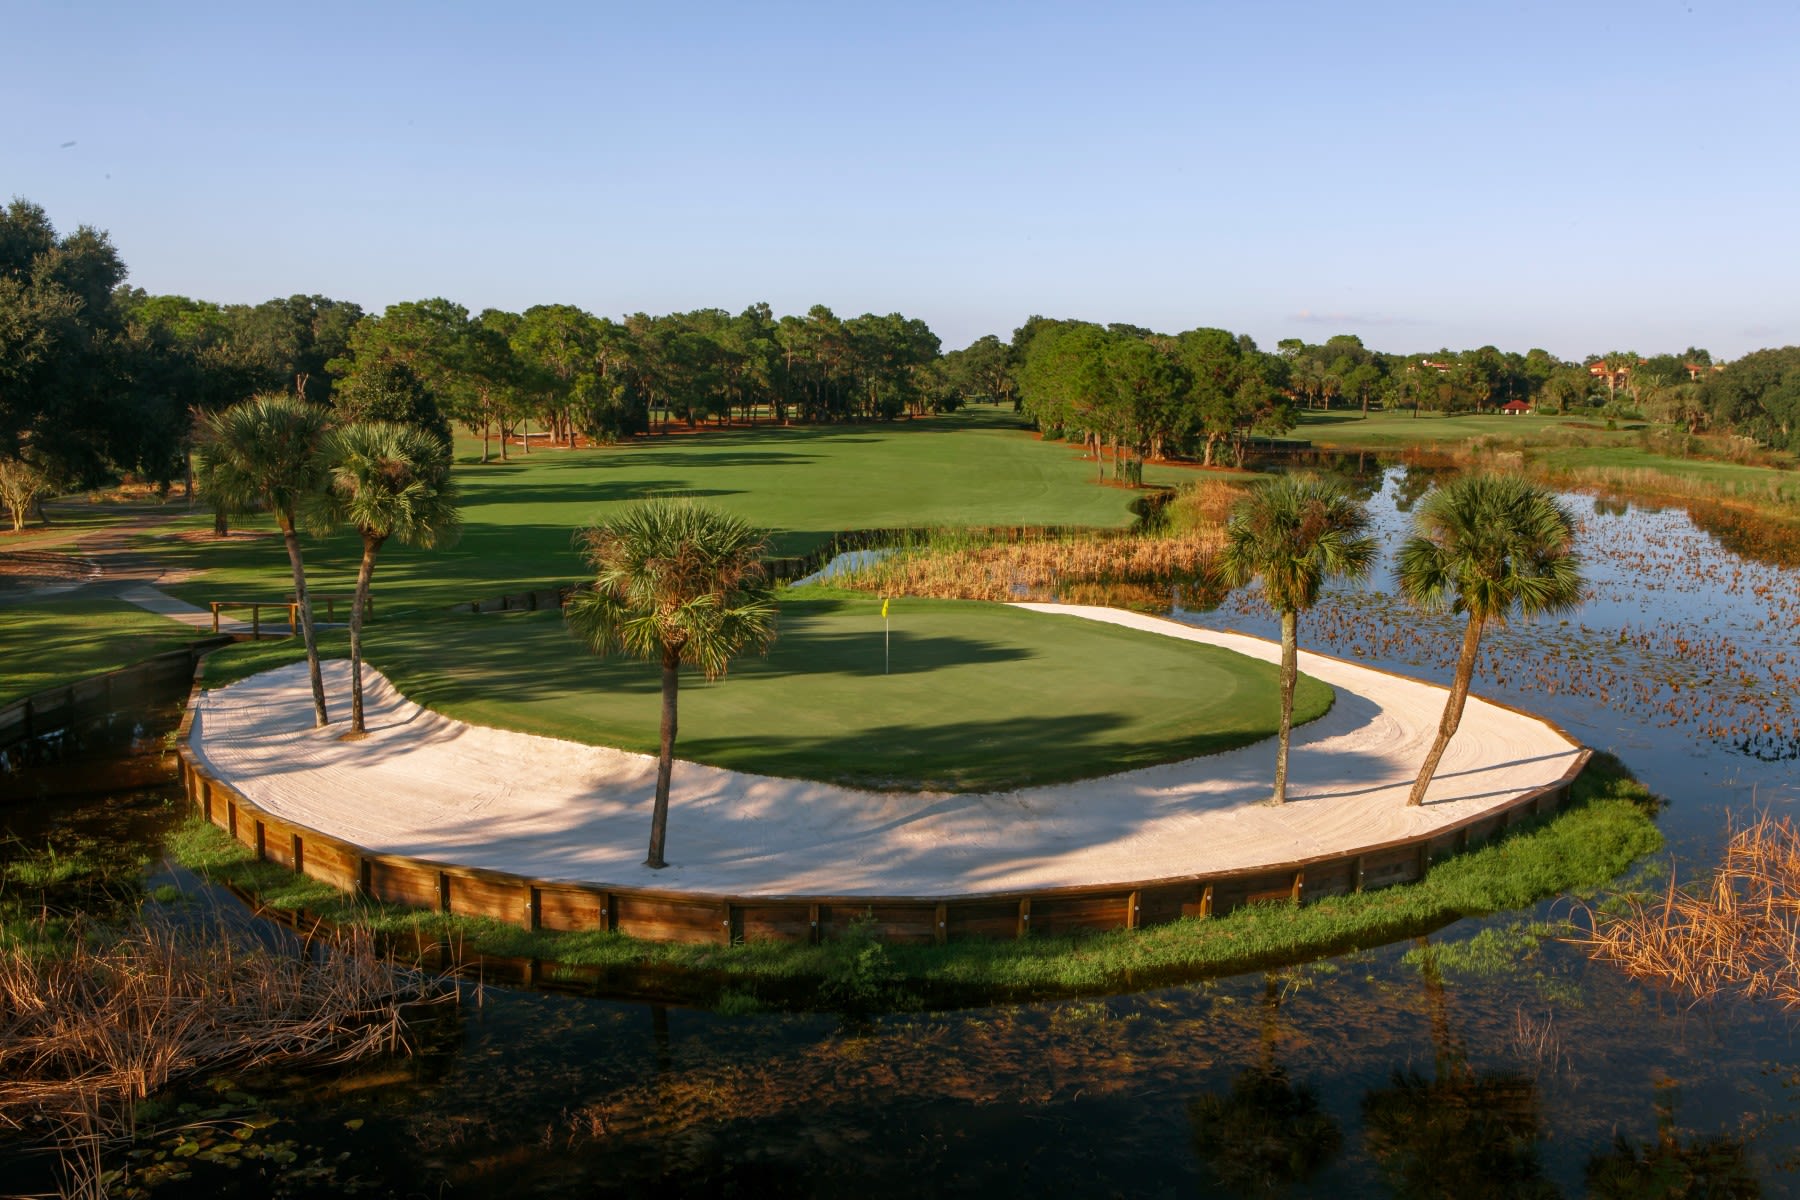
{"type": "Point", "coordinates": [884, 604]}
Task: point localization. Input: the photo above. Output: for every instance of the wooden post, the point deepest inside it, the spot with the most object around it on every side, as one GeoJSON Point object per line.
{"type": "Point", "coordinates": [813, 933]}
{"type": "Point", "coordinates": [609, 913]}
{"type": "Point", "coordinates": [293, 619]}
{"type": "Point", "coordinates": [443, 891]}
{"type": "Point", "coordinates": [1299, 885]}
{"type": "Point", "coordinates": [941, 933]}
{"type": "Point", "coordinates": [1024, 916]}
{"type": "Point", "coordinates": [215, 612]}
{"type": "Point", "coordinates": [534, 901]}
{"type": "Point", "coordinates": [1206, 901]}
{"type": "Point", "coordinates": [1133, 909]}
{"type": "Point", "coordinates": [256, 622]}
{"type": "Point", "coordinates": [299, 853]}
{"type": "Point", "coordinates": [262, 842]}
{"type": "Point", "coordinates": [1356, 872]}
{"type": "Point", "coordinates": [725, 922]}
{"type": "Point", "coordinates": [365, 875]}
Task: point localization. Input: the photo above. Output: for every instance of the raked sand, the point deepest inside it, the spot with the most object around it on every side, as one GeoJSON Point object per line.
{"type": "Point", "coordinates": [430, 787]}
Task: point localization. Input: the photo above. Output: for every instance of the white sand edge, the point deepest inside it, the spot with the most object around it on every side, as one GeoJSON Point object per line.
{"type": "Point", "coordinates": [426, 786]}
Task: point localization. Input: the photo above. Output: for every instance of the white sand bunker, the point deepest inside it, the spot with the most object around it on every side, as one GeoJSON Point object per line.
{"type": "Point", "coordinates": [430, 787]}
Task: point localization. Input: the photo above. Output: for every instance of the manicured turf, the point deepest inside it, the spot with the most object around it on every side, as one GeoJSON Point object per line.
{"type": "Point", "coordinates": [805, 484]}
{"type": "Point", "coordinates": [46, 644]}
{"type": "Point", "coordinates": [980, 696]}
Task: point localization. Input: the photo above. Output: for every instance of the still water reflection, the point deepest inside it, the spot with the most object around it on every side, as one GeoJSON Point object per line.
{"type": "Point", "coordinates": [1487, 1062]}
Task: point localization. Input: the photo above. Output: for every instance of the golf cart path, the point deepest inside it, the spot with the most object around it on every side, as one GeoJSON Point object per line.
{"type": "Point", "coordinates": [430, 787]}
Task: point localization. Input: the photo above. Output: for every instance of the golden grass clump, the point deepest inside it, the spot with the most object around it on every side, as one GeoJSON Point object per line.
{"type": "Point", "coordinates": [1740, 935]}
{"type": "Point", "coordinates": [1037, 569]}
{"type": "Point", "coordinates": [1059, 564]}
{"type": "Point", "coordinates": [88, 1032]}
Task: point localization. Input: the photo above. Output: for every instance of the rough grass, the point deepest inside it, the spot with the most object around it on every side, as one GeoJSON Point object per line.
{"type": "Point", "coordinates": [49, 643]}
{"type": "Point", "coordinates": [980, 697]}
{"type": "Point", "coordinates": [1608, 825]}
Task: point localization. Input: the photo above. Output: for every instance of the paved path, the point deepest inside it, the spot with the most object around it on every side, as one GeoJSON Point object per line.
{"type": "Point", "coordinates": [431, 787]}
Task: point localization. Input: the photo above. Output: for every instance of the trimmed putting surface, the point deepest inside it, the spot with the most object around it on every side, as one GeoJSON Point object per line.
{"type": "Point", "coordinates": [432, 787]}
{"type": "Point", "coordinates": [975, 697]}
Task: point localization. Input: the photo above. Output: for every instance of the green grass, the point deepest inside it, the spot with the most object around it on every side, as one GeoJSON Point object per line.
{"type": "Point", "coordinates": [1400, 430]}
{"type": "Point", "coordinates": [805, 484]}
{"type": "Point", "coordinates": [980, 696]}
{"type": "Point", "coordinates": [1609, 825]}
{"type": "Point", "coordinates": [1640, 470]}
{"type": "Point", "coordinates": [49, 643]}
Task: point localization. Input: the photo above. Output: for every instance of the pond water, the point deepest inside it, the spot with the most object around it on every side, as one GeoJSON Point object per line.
{"type": "Point", "coordinates": [1493, 1065]}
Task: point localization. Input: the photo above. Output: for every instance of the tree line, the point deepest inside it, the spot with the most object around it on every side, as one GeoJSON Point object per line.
{"type": "Point", "coordinates": [99, 379]}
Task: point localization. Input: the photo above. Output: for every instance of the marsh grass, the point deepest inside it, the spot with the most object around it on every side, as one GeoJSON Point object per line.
{"type": "Point", "coordinates": [1608, 825]}
{"type": "Point", "coordinates": [1734, 934]}
{"type": "Point", "coordinates": [118, 1014]}
{"type": "Point", "coordinates": [1138, 568]}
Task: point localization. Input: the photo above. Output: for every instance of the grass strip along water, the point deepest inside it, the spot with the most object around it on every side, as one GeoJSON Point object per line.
{"type": "Point", "coordinates": [1608, 824]}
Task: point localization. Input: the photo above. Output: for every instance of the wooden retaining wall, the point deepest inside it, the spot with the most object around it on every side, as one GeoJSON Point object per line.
{"type": "Point", "coordinates": [55, 707]}
{"type": "Point", "coordinates": [672, 916]}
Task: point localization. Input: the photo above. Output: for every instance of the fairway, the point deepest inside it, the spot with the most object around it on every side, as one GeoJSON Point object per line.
{"type": "Point", "coordinates": [980, 698]}
{"type": "Point", "coordinates": [803, 484]}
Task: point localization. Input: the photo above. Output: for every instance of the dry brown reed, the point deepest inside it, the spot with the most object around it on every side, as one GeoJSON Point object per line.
{"type": "Point", "coordinates": [1041, 569]}
{"type": "Point", "coordinates": [1738, 935]}
{"type": "Point", "coordinates": [1060, 564]}
{"type": "Point", "coordinates": [88, 1033]}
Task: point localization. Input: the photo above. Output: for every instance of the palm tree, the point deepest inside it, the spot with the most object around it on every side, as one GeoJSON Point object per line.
{"type": "Point", "coordinates": [1485, 545]}
{"type": "Point", "coordinates": [264, 452]}
{"type": "Point", "coordinates": [1294, 534]}
{"type": "Point", "coordinates": [679, 582]}
{"type": "Point", "coordinates": [389, 482]}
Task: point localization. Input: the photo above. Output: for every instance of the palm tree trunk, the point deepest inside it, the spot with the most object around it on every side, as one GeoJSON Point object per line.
{"type": "Point", "coordinates": [292, 540]}
{"type": "Point", "coordinates": [1453, 708]}
{"type": "Point", "coordinates": [665, 759]}
{"type": "Point", "coordinates": [1290, 674]}
{"type": "Point", "coordinates": [366, 572]}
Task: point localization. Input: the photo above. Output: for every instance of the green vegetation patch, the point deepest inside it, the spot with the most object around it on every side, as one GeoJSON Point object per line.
{"type": "Point", "coordinates": [1608, 825]}
{"type": "Point", "coordinates": [804, 483]}
{"type": "Point", "coordinates": [979, 697]}
{"type": "Point", "coordinates": [50, 643]}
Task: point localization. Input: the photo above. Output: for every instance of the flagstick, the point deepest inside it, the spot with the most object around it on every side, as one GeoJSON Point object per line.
{"type": "Point", "coordinates": [886, 634]}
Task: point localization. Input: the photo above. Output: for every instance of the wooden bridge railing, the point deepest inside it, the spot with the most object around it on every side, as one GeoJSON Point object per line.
{"type": "Point", "coordinates": [289, 608]}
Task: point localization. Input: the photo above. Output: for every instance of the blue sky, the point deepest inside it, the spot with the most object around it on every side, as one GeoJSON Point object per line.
{"type": "Point", "coordinates": [1581, 177]}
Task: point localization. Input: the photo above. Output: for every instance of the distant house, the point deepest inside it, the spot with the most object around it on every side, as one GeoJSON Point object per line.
{"type": "Point", "coordinates": [1513, 408]}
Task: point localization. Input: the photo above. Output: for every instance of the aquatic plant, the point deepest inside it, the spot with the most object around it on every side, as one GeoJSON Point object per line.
{"type": "Point", "coordinates": [1738, 933]}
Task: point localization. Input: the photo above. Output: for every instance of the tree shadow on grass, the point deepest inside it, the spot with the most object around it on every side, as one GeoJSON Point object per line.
{"type": "Point", "coordinates": [584, 492]}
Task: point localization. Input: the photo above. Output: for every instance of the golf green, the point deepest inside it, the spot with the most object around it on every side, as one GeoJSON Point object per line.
{"type": "Point", "coordinates": [948, 696]}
